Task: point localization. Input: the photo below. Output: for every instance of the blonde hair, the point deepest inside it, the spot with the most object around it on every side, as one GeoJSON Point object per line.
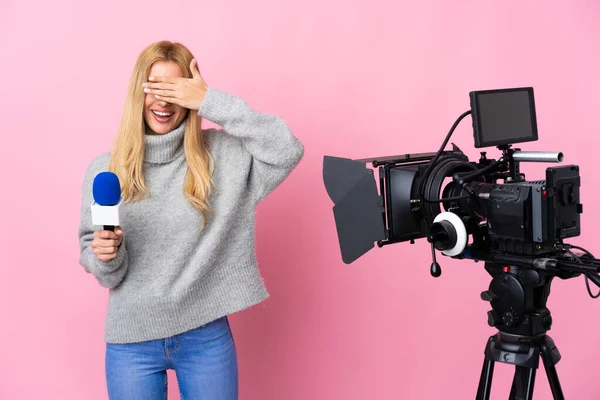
{"type": "Point", "coordinates": [128, 152]}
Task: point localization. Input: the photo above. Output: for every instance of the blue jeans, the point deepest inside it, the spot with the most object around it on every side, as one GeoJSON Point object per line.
{"type": "Point", "coordinates": [204, 360]}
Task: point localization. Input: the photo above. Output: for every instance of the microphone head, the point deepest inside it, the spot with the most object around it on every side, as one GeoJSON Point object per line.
{"type": "Point", "coordinates": [106, 189]}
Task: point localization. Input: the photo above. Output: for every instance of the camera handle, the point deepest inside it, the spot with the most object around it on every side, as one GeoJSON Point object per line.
{"type": "Point", "coordinates": [435, 269]}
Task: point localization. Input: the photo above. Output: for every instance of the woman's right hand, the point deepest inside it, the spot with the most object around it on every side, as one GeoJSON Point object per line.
{"type": "Point", "coordinates": [106, 244]}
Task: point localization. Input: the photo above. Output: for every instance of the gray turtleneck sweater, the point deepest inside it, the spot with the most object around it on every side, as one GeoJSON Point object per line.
{"type": "Point", "coordinates": [170, 276]}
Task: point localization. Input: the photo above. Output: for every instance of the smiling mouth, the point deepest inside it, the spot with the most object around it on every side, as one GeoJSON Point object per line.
{"type": "Point", "coordinates": [162, 116]}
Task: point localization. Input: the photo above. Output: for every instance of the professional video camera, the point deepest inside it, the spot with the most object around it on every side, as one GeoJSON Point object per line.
{"type": "Point", "coordinates": [491, 214]}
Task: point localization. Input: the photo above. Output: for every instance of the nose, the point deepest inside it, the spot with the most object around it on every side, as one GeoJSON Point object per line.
{"type": "Point", "coordinates": [162, 103]}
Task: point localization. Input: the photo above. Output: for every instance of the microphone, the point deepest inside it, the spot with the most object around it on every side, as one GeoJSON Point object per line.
{"type": "Point", "coordinates": [106, 204]}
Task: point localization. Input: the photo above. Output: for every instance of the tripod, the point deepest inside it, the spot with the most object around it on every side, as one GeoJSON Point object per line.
{"type": "Point", "coordinates": [518, 298]}
{"type": "Point", "coordinates": [524, 353]}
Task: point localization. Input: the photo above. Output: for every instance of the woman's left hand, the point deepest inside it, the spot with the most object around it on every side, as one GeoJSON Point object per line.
{"type": "Point", "coordinates": [188, 93]}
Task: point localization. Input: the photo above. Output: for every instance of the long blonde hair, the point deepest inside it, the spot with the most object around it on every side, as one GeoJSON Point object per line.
{"type": "Point", "coordinates": [128, 152]}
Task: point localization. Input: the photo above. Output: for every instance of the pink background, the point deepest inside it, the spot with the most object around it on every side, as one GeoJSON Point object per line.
{"type": "Point", "coordinates": [353, 79]}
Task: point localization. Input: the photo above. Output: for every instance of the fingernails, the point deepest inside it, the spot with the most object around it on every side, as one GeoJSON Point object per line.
{"type": "Point", "coordinates": [147, 90]}
{"type": "Point", "coordinates": [151, 78]}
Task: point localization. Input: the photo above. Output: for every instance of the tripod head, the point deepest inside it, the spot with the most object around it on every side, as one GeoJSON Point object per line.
{"type": "Point", "coordinates": [518, 295]}
{"type": "Point", "coordinates": [518, 299]}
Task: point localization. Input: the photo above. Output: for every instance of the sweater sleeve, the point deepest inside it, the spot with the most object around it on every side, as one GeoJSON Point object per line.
{"type": "Point", "coordinates": [108, 274]}
{"type": "Point", "coordinates": [274, 150]}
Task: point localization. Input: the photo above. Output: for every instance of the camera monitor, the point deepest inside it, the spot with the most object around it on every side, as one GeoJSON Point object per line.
{"type": "Point", "coordinates": [503, 116]}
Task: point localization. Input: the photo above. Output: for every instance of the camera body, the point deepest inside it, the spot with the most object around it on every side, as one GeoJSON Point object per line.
{"type": "Point", "coordinates": [530, 218]}
{"type": "Point", "coordinates": [496, 206]}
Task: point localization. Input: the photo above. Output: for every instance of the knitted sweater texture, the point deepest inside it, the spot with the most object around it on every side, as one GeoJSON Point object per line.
{"type": "Point", "coordinates": [169, 275]}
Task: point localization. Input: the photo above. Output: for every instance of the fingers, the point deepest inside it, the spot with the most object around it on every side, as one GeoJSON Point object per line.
{"type": "Point", "coordinates": [107, 243]}
{"type": "Point", "coordinates": [108, 234]}
{"type": "Point", "coordinates": [194, 69]}
{"type": "Point", "coordinates": [164, 79]}
{"type": "Point", "coordinates": [170, 99]}
{"type": "Point", "coordinates": [108, 238]}
{"type": "Point", "coordinates": [162, 92]}
{"type": "Point", "coordinates": [105, 250]}
{"type": "Point", "coordinates": [160, 85]}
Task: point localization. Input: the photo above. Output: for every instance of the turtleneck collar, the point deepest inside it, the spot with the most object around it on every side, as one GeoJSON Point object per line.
{"type": "Point", "coordinates": [161, 149]}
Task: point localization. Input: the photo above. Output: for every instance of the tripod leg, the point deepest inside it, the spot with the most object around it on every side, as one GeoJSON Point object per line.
{"type": "Point", "coordinates": [523, 383]}
{"type": "Point", "coordinates": [485, 382]}
{"type": "Point", "coordinates": [487, 371]}
{"type": "Point", "coordinates": [550, 359]}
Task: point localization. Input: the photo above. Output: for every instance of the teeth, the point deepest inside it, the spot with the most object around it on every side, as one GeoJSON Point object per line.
{"type": "Point", "coordinates": [162, 114]}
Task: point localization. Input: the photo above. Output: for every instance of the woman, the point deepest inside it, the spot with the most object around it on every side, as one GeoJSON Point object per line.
{"type": "Point", "coordinates": [183, 257]}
